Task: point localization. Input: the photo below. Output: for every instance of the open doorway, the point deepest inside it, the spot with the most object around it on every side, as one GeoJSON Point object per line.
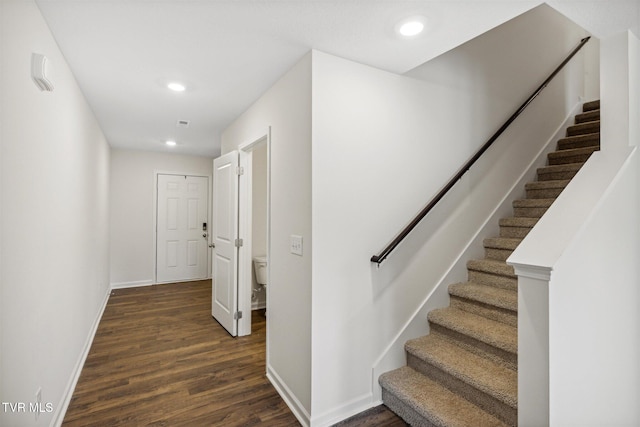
{"type": "Point", "coordinates": [253, 263]}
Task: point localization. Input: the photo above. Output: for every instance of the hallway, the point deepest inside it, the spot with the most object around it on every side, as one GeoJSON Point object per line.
{"type": "Point", "coordinates": [159, 358]}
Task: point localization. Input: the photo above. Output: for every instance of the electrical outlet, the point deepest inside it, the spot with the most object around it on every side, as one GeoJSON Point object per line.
{"type": "Point", "coordinates": [296, 245]}
{"type": "Point", "coordinates": [38, 402]}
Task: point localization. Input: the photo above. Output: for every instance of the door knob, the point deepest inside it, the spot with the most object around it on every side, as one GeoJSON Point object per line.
{"type": "Point", "coordinates": [204, 235]}
{"type": "Point", "coordinates": [213, 245]}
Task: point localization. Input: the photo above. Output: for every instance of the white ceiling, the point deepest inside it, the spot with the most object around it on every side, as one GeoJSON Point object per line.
{"type": "Point", "coordinates": [228, 52]}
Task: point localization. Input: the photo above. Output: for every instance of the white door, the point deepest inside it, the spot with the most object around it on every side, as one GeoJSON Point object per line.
{"type": "Point", "coordinates": [225, 232]}
{"type": "Point", "coordinates": [181, 243]}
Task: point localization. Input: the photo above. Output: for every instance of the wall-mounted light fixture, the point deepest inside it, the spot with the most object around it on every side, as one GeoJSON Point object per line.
{"type": "Point", "coordinates": [39, 72]}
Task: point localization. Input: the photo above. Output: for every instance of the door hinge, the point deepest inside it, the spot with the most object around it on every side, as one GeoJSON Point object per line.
{"type": "Point", "coordinates": [237, 315]}
{"type": "Point", "coordinates": [239, 243]}
{"type": "Point", "coordinates": [239, 170]}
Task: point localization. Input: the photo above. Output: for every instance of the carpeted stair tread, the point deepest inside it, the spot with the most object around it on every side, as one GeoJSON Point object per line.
{"type": "Point", "coordinates": [532, 203]}
{"type": "Point", "coordinates": [545, 189]}
{"type": "Point", "coordinates": [588, 116]}
{"type": "Point", "coordinates": [572, 152]}
{"type": "Point", "coordinates": [497, 297]}
{"type": "Point", "coordinates": [502, 242]}
{"type": "Point", "coordinates": [579, 141]}
{"type": "Point", "coordinates": [499, 268]}
{"type": "Point", "coordinates": [584, 128]}
{"type": "Point", "coordinates": [517, 226]}
{"type": "Point", "coordinates": [500, 248]}
{"type": "Point", "coordinates": [591, 105]}
{"type": "Point", "coordinates": [531, 208]}
{"type": "Point", "coordinates": [423, 402]}
{"type": "Point", "coordinates": [480, 373]}
{"type": "Point", "coordinates": [544, 185]}
{"type": "Point", "coordinates": [559, 172]}
{"type": "Point", "coordinates": [573, 155]}
{"type": "Point", "coordinates": [492, 272]}
{"type": "Point", "coordinates": [490, 332]}
{"type": "Point", "coordinates": [518, 221]}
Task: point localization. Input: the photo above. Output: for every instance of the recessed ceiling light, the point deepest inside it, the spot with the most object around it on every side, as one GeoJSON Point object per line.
{"type": "Point", "coordinates": [411, 27]}
{"type": "Point", "coordinates": [170, 143]}
{"type": "Point", "coordinates": [176, 87]}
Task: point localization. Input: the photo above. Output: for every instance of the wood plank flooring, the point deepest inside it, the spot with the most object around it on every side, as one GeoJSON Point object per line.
{"type": "Point", "coordinates": [160, 359]}
{"type": "Point", "coordinates": [379, 416]}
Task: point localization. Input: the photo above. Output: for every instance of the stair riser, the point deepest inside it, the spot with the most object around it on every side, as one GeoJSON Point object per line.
{"type": "Point", "coordinates": [502, 282]}
{"type": "Point", "coordinates": [589, 116]}
{"type": "Point", "coordinates": [552, 176]}
{"type": "Point", "coordinates": [583, 129]}
{"type": "Point", "coordinates": [498, 254]}
{"type": "Point", "coordinates": [405, 411]}
{"type": "Point", "coordinates": [490, 312]}
{"type": "Point", "coordinates": [581, 142]}
{"type": "Point", "coordinates": [483, 400]}
{"type": "Point", "coordinates": [514, 232]}
{"type": "Point", "coordinates": [498, 355]}
{"type": "Point", "coordinates": [529, 212]}
{"type": "Point", "coordinates": [591, 105]}
{"type": "Point", "coordinates": [547, 193]}
{"type": "Point", "coordinates": [565, 160]}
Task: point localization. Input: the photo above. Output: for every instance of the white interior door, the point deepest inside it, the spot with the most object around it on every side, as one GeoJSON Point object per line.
{"type": "Point", "coordinates": [225, 232]}
{"type": "Point", "coordinates": [181, 243]}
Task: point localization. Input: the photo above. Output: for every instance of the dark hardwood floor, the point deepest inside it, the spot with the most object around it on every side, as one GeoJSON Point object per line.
{"type": "Point", "coordinates": [160, 359]}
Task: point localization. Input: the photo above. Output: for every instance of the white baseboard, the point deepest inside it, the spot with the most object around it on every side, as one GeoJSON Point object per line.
{"type": "Point", "coordinates": [289, 398]}
{"type": "Point", "coordinates": [349, 409]}
{"type": "Point", "coordinates": [258, 305]}
{"type": "Point", "coordinates": [58, 416]}
{"type": "Point", "coordinates": [134, 284]}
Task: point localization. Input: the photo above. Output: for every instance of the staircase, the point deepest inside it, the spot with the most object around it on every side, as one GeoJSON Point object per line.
{"type": "Point", "coordinates": [464, 373]}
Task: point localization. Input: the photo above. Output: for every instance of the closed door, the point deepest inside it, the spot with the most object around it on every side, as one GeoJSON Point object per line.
{"type": "Point", "coordinates": [224, 305]}
{"type": "Point", "coordinates": [181, 250]}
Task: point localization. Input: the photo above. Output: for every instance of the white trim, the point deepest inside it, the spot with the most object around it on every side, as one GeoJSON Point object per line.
{"type": "Point", "coordinates": [245, 217]}
{"type": "Point", "coordinates": [245, 209]}
{"type": "Point", "coordinates": [61, 411]}
{"type": "Point", "coordinates": [537, 272]}
{"type": "Point", "coordinates": [289, 398]}
{"type": "Point", "coordinates": [134, 284]}
{"type": "Point", "coordinates": [349, 409]}
{"type": "Point", "coordinates": [155, 219]}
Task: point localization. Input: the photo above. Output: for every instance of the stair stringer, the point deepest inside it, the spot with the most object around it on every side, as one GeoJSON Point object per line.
{"type": "Point", "coordinates": [394, 355]}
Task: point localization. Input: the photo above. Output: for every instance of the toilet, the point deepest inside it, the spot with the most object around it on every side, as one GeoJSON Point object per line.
{"type": "Point", "coordinates": [260, 267]}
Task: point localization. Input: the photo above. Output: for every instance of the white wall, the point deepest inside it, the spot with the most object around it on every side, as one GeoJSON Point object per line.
{"type": "Point", "coordinates": [594, 321]}
{"type": "Point", "coordinates": [286, 108]}
{"type": "Point", "coordinates": [132, 209]}
{"type": "Point", "coordinates": [383, 144]}
{"type": "Point", "coordinates": [55, 240]}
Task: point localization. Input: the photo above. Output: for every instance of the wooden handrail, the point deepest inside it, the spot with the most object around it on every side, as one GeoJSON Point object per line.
{"type": "Point", "coordinates": [378, 258]}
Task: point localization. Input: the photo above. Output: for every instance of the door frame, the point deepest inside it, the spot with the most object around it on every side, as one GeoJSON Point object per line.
{"type": "Point", "coordinates": [245, 217]}
{"type": "Point", "coordinates": [155, 217]}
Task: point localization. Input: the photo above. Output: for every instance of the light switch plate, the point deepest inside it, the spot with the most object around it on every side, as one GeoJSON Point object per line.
{"type": "Point", "coordinates": [296, 245]}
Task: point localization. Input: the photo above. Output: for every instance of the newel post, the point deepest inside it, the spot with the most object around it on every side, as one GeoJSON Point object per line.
{"type": "Point", "coordinates": [533, 344]}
